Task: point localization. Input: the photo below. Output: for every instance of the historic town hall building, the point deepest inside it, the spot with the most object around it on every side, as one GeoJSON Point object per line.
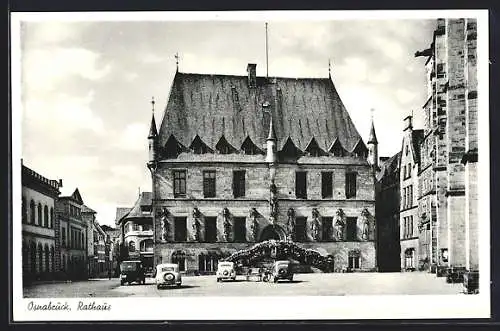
{"type": "Point", "coordinates": [244, 159]}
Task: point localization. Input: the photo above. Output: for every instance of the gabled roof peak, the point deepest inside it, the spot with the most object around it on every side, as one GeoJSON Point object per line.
{"type": "Point", "coordinates": [372, 138]}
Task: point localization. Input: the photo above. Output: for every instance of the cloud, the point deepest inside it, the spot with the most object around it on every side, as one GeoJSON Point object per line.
{"type": "Point", "coordinates": [405, 96]}
{"type": "Point", "coordinates": [134, 137]}
{"type": "Point", "coordinates": [62, 114]}
{"type": "Point", "coordinates": [45, 69]}
{"type": "Point", "coordinates": [152, 58]}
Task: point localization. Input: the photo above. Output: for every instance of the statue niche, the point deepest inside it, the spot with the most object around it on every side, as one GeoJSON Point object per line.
{"type": "Point", "coordinates": [315, 226]}
{"type": "Point", "coordinates": [365, 224]}
{"type": "Point", "coordinates": [227, 224]}
{"type": "Point", "coordinates": [290, 224]}
{"type": "Point", "coordinates": [339, 226]}
{"type": "Point", "coordinates": [165, 225]}
{"type": "Point", "coordinates": [254, 227]}
{"type": "Point", "coordinates": [196, 224]}
{"type": "Point", "coordinates": [273, 202]}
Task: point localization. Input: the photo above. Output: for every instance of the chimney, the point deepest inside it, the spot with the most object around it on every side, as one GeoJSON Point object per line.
{"type": "Point", "coordinates": [407, 123]}
{"type": "Point", "coordinates": [60, 183]}
{"type": "Point", "coordinates": [252, 74]}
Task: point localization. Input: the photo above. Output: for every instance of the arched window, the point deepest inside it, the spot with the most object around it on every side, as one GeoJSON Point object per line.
{"type": "Point", "coordinates": [24, 211]}
{"type": "Point", "coordinates": [52, 259]}
{"type": "Point", "coordinates": [410, 258]}
{"type": "Point", "coordinates": [25, 258]}
{"type": "Point", "coordinates": [354, 259]}
{"type": "Point", "coordinates": [32, 258]}
{"type": "Point", "coordinates": [131, 246]}
{"type": "Point", "coordinates": [47, 258]}
{"type": "Point", "coordinates": [46, 216]}
{"type": "Point", "coordinates": [39, 221]}
{"type": "Point", "coordinates": [51, 217]}
{"type": "Point", "coordinates": [40, 258]}
{"type": "Point", "coordinates": [32, 212]}
{"type": "Point", "coordinates": [179, 257]}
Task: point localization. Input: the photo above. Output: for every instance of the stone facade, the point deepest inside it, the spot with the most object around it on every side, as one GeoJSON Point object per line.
{"type": "Point", "coordinates": [38, 226]}
{"type": "Point", "coordinates": [212, 197]}
{"type": "Point", "coordinates": [387, 209]}
{"type": "Point", "coordinates": [73, 237]}
{"type": "Point", "coordinates": [448, 178]}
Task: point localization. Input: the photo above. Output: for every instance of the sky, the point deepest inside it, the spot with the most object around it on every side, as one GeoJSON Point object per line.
{"type": "Point", "coordinates": [86, 87]}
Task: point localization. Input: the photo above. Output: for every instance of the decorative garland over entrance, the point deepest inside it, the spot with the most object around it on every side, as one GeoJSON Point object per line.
{"type": "Point", "coordinates": [281, 250]}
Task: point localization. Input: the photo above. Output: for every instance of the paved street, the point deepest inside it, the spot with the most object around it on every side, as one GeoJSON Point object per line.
{"type": "Point", "coordinates": [303, 284]}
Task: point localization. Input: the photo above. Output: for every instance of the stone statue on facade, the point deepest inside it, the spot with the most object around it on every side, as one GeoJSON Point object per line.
{"type": "Point", "coordinates": [315, 227]}
{"type": "Point", "coordinates": [290, 224]}
{"type": "Point", "coordinates": [165, 225]}
{"type": "Point", "coordinates": [254, 227]}
{"type": "Point", "coordinates": [365, 225]}
{"type": "Point", "coordinates": [196, 224]}
{"type": "Point", "coordinates": [273, 201]}
{"type": "Point", "coordinates": [227, 224]}
{"type": "Point", "coordinates": [338, 228]}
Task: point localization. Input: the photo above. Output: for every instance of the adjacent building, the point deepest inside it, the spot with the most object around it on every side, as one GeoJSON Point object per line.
{"type": "Point", "coordinates": [71, 247]}
{"type": "Point", "coordinates": [387, 209]}
{"type": "Point", "coordinates": [447, 179]}
{"type": "Point", "coordinates": [38, 225]}
{"type": "Point", "coordinates": [137, 231]}
{"type": "Point", "coordinates": [113, 236]}
{"type": "Point", "coordinates": [244, 159]}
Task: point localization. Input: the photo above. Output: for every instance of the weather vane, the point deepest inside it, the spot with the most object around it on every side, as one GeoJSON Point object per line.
{"type": "Point", "coordinates": [177, 61]}
{"type": "Point", "coordinates": [329, 68]}
{"type": "Point", "coordinates": [372, 112]}
{"type": "Point", "coordinates": [153, 103]}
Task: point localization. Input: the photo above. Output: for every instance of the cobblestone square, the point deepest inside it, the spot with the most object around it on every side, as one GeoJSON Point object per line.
{"type": "Point", "coordinates": [335, 284]}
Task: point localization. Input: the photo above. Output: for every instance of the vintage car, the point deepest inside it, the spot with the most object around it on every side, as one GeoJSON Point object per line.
{"type": "Point", "coordinates": [226, 270]}
{"type": "Point", "coordinates": [282, 270]}
{"type": "Point", "coordinates": [132, 271]}
{"type": "Point", "coordinates": [167, 274]}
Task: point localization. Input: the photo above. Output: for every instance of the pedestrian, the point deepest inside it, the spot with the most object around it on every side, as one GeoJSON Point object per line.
{"type": "Point", "coordinates": [109, 274]}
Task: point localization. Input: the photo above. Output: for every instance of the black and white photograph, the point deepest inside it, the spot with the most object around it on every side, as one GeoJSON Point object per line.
{"type": "Point", "coordinates": [250, 165]}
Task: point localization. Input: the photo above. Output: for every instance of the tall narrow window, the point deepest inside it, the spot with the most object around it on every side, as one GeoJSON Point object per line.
{"type": "Point", "coordinates": [210, 229]}
{"type": "Point", "coordinates": [46, 217]}
{"type": "Point", "coordinates": [327, 228]}
{"type": "Point", "coordinates": [300, 229]}
{"type": "Point", "coordinates": [326, 185]}
{"type": "Point", "coordinates": [209, 184]}
{"type": "Point", "coordinates": [351, 228]}
{"type": "Point", "coordinates": [350, 185]}
{"type": "Point", "coordinates": [32, 212]}
{"type": "Point", "coordinates": [301, 185]}
{"type": "Point", "coordinates": [354, 259]}
{"type": "Point", "coordinates": [180, 233]}
{"type": "Point", "coordinates": [239, 183]}
{"type": "Point", "coordinates": [24, 211]}
{"type": "Point", "coordinates": [179, 183]}
{"type": "Point", "coordinates": [240, 230]}
{"type": "Point", "coordinates": [51, 217]}
{"type": "Point", "coordinates": [40, 219]}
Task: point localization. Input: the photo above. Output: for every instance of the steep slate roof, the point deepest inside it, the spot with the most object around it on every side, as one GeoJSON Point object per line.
{"type": "Point", "coordinates": [372, 138]}
{"type": "Point", "coordinates": [391, 165]}
{"type": "Point", "coordinates": [145, 199]}
{"type": "Point", "coordinates": [86, 209]}
{"type": "Point", "coordinates": [120, 213]}
{"type": "Point", "coordinates": [214, 105]}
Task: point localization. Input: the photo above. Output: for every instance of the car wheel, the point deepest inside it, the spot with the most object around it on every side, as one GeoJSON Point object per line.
{"type": "Point", "coordinates": [158, 286]}
{"type": "Point", "coordinates": [234, 278]}
{"type": "Point", "coordinates": [275, 279]}
{"type": "Point", "coordinates": [218, 280]}
{"type": "Point", "coordinates": [178, 285]}
{"type": "Point", "coordinates": [122, 282]}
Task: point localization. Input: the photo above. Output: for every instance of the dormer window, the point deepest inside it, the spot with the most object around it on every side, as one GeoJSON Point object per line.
{"type": "Point", "coordinates": [336, 148]}
{"type": "Point", "coordinates": [199, 147]}
{"type": "Point", "coordinates": [249, 148]}
{"type": "Point", "coordinates": [224, 147]}
{"type": "Point", "coordinates": [313, 148]}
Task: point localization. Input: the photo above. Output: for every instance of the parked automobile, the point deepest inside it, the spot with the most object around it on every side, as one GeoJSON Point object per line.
{"type": "Point", "coordinates": [167, 274]}
{"type": "Point", "coordinates": [132, 271]}
{"type": "Point", "coordinates": [225, 271]}
{"type": "Point", "coordinates": [282, 270]}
